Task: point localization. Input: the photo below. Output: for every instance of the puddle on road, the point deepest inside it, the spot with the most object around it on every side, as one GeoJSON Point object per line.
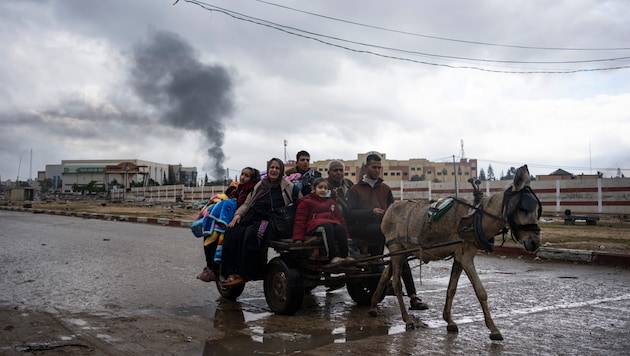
{"type": "Point", "coordinates": [254, 331]}
{"type": "Point", "coordinates": [255, 340]}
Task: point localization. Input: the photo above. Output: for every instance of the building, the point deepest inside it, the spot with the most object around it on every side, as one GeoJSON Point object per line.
{"type": "Point", "coordinates": [121, 173]}
{"type": "Point", "coordinates": [561, 174]}
{"type": "Point", "coordinates": [414, 169]}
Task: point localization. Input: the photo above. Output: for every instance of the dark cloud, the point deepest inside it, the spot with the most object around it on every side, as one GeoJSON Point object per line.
{"type": "Point", "coordinates": [186, 93]}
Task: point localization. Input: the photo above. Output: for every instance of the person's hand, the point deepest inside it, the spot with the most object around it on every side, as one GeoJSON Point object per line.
{"type": "Point", "coordinates": [378, 211]}
{"type": "Point", "coordinates": [334, 194]}
{"type": "Point", "coordinates": [235, 220]}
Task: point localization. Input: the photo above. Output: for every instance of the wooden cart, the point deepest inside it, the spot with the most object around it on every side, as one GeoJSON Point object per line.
{"type": "Point", "coordinates": [299, 268]}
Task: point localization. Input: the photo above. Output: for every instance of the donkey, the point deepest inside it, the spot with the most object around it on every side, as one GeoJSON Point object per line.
{"type": "Point", "coordinates": [459, 233]}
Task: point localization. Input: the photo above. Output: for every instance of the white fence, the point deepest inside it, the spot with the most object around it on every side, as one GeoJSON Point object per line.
{"type": "Point", "coordinates": [585, 196]}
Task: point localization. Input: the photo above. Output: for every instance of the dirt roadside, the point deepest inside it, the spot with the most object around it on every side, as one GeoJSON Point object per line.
{"type": "Point", "coordinates": [610, 234]}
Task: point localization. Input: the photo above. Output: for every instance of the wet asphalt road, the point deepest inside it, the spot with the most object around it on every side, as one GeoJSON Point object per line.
{"type": "Point", "coordinates": [108, 267]}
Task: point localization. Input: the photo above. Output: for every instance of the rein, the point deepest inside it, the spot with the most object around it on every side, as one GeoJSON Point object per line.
{"type": "Point", "coordinates": [484, 241]}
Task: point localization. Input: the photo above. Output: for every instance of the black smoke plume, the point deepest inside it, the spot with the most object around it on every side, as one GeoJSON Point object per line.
{"type": "Point", "coordinates": [167, 74]}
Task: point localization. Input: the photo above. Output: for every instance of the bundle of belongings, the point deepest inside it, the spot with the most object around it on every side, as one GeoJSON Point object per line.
{"type": "Point", "coordinates": [213, 220]}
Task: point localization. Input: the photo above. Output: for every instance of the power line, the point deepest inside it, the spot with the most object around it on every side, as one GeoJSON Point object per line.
{"type": "Point", "coordinates": [442, 38]}
{"type": "Point", "coordinates": [311, 35]}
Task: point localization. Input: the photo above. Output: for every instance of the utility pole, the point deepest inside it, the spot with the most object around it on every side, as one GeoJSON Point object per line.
{"type": "Point", "coordinates": [455, 175]}
{"type": "Point", "coordinates": [17, 180]}
{"type": "Point", "coordinates": [285, 151]}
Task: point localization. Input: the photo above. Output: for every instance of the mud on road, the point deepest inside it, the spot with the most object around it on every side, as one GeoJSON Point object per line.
{"type": "Point", "coordinates": [58, 332]}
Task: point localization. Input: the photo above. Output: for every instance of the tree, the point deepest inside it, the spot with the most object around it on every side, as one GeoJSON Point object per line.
{"type": "Point", "coordinates": [417, 178]}
{"type": "Point", "coordinates": [491, 173]}
{"type": "Point", "coordinates": [482, 175]}
{"type": "Point", "coordinates": [206, 181]}
{"type": "Point", "coordinates": [46, 185]}
{"type": "Point", "coordinates": [511, 173]}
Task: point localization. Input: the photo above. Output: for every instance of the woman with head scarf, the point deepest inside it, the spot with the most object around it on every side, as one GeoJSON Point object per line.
{"type": "Point", "coordinates": [239, 192]}
{"type": "Point", "coordinates": [246, 240]}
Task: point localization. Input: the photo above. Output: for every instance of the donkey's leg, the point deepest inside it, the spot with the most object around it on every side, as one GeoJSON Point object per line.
{"type": "Point", "coordinates": [482, 296]}
{"type": "Point", "coordinates": [456, 272]}
{"type": "Point", "coordinates": [380, 289]}
{"type": "Point", "coordinates": [397, 265]}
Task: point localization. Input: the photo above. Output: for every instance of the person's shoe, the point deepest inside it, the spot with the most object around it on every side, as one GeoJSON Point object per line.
{"type": "Point", "coordinates": [417, 304]}
{"type": "Point", "coordinates": [234, 280]}
{"type": "Point", "coordinates": [207, 275]}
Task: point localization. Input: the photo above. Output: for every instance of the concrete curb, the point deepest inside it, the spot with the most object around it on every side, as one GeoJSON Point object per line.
{"type": "Point", "coordinates": [565, 254]}
{"type": "Point", "coordinates": [585, 256]}
{"type": "Point", "coordinates": [109, 217]}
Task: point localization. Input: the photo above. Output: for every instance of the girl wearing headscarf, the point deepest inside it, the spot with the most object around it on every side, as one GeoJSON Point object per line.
{"type": "Point", "coordinates": [246, 240]}
{"type": "Point", "coordinates": [247, 181]}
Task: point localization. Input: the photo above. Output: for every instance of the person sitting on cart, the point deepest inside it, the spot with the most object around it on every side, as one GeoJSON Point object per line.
{"type": "Point", "coordinates": [248, 234]}
{"type": "Point", "coordinates": [367, 202]}
{"type": "Point", "coordinates": [248, 179]}
{"type": "Point", "coordinates": [302, 175]}
{"type": "Point", "coordinates": [338, 184]}
{"type": "Point", "coordinates": [319, 210]}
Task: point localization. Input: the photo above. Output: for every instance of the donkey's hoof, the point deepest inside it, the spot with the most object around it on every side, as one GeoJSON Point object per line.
{"type": "Point", "coordinates": [452, 328]}
{"type": "Point", "coordinates": [496, 337]}
{"type": "Point", "coordinates": [373, 313]}
{"type": "Point", "coordinates": [410, 326]}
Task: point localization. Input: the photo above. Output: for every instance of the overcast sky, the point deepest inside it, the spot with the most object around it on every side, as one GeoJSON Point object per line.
{"type": "Point", "coordinates": [221, 84]}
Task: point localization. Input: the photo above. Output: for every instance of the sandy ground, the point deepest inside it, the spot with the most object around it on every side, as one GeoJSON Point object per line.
{"type": "Point", "coordinates": [611, 234]}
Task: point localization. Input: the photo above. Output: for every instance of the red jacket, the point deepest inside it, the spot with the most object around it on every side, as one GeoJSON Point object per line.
{"type": "Point", "coordinates": [313, 211]}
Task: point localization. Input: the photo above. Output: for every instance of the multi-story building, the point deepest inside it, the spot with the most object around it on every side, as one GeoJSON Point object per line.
{"type": "Point", "coordinates": [407, 170]}
{"type": "Point", "coordinates": [120, 173]}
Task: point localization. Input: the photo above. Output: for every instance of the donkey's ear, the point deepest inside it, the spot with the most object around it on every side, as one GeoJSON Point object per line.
{"type": "Point", "coordinates": [521, 178]}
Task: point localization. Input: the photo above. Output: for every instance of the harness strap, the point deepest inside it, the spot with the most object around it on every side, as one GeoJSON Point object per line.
{"type": "Point", "coordinates": [484, 242]}
{"type": "Point", "coordinates": [397, 240]}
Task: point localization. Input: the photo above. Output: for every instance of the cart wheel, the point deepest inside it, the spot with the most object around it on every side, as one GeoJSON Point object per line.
{"type": "Point", "coordinates": [284, 290]}
{"type": "Point", "coordinates": [361, 290]}
{"type": "Point", "coordinates": [230, 293]}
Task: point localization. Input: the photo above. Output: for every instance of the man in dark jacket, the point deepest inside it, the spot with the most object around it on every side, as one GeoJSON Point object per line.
{"type": "Point", "coordinates": [367, 202]}
{"type": "Point", "coordinates": [338, 184]}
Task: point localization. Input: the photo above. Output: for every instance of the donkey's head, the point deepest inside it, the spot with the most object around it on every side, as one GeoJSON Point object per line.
{"type": "Point", "coordinates": [522, 209]}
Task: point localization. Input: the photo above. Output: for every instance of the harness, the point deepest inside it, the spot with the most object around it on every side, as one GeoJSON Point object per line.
{"type": "Point", "coordinates": [524, 199]}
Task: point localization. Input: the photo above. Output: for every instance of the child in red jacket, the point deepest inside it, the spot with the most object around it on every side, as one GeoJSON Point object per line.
{"type": "Point", "coordinates": [318, 209]}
